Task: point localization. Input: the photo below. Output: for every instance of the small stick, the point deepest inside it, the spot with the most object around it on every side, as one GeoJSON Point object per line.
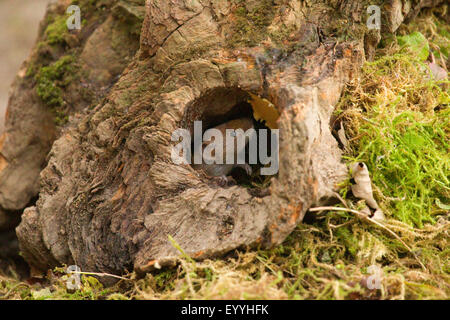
{"type": "Point", "coordinates": [364, 217]}
{"type": "Point", "coordinates": [337, 195]}
{"type": "Point", "coordinates": [99, 274]}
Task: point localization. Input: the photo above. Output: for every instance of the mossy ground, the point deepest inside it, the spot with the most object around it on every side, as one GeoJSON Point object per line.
{"type": "Point", "coordinates": [397, 121]}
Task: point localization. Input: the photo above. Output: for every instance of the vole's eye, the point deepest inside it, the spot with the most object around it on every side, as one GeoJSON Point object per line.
{"type": "Point", "coordinates": [361, 165]}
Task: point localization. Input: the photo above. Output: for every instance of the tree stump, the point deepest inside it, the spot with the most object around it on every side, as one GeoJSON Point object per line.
{"type": "Point", "coordinates": [108, 194]}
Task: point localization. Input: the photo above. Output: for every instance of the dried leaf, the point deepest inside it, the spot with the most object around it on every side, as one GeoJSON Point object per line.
{"type": "Point", "coordinates": [379, 215]}
{"type": "Point", "coordinates": [437, 73]}
{"type": "Point", "coordinates": [263, 109]}
{"type": "Point", "coordinates": [362, 188]}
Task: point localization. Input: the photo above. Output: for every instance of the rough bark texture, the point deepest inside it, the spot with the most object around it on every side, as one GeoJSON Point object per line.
{"type": "Point", "coordinates": [109, 195]}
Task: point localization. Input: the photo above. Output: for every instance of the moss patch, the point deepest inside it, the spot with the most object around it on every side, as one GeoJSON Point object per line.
{"type": "Point", "coordinates": [51, 81]}
{"type": "Point", "coordinates": [250, 25]}
{"type": "Point", "coordinates": [399, 120]}
{"type": "Point", "coordinates": [54, 62]}
{"type": "Point", "coordinates": [57, 30]}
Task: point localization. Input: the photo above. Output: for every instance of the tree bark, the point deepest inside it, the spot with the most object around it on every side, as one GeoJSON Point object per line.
{"type": "Point", "coordinates": [109, 195]}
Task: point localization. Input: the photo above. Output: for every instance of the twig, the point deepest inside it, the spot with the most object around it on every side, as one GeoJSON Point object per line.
{"type": "Point", "coordinates": [337, 195]}
{"type": "Point", "coordinates": [370, 121]}
{"type": "Point", "coordinates": [364, 217]}
{"type": "Point", "coordinates": [102, 274]}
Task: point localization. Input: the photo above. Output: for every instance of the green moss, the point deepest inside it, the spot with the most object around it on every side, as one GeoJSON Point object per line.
{"type": "Point", "coordinates": [56, 31]}
{"type": "Point", "coordinates": [415, 165]}
{"type": "Point", "coordinates": [50, 82]}
{"type": "Point", "coordinates": [250, 26]}
{"type": "Point", "coordinates": [51, 79]}
{"type": "Point", "coordinates": [164, 279]}
{"type": "Point", "coordinates": [399, 117]}
{"type": "Point", "coordinates": [417, 43]}
{"type": "Point", "coordinates": [405, 142]}
{"type": "Point", "coordinates": [31, 70]}
{"type": "Point", "coordinates": [346, 237]}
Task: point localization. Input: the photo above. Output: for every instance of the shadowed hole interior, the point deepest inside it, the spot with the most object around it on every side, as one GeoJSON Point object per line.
{"type": "Point", "coordinates": [222, 105]}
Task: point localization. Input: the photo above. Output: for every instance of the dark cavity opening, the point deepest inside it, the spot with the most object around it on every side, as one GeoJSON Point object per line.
{"type": "Point", "coordinates": [220, 106]}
